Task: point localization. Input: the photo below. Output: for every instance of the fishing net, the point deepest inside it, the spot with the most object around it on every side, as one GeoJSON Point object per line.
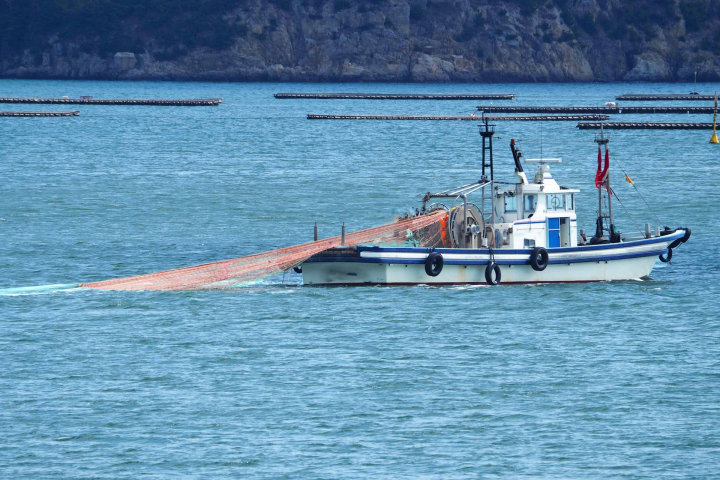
{"type": "Point", "coordinates": [422, 230]}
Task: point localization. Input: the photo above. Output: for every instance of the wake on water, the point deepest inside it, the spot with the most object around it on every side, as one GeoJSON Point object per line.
{"type": "Point", "coordinates": [40, 289]}
{"type": "Point", "coordinates": [75, 287]}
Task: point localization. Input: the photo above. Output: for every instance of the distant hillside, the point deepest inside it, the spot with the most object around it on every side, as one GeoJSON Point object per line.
{"type": "Point", "coordinates": [362, 40]}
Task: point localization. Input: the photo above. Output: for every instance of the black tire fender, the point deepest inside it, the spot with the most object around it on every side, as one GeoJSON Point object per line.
{"type": "Point", "coordinates": [297, 269]}
{"type": "Point", "coordinates": [539, 259]}
{"type": "Point", "coordinates": [492, 268]}
{"type": "Point", "coordinates": [682, 239]}
{"type": "Point", "coordinates": [434, 264]}
{"type": "Point", "coordinates": [666, 257]}
{"type": "Point", "coordinates": [686, 237]}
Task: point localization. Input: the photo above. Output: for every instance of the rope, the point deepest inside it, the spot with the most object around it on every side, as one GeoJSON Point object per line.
{"type": "Point", "coordinates": [652, 212]}
{"type": "Point", "coordinates": [628, 213]}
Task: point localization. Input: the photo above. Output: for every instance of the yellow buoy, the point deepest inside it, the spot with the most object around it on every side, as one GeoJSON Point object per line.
{"type": "Point", "coordinates": [714, 138]}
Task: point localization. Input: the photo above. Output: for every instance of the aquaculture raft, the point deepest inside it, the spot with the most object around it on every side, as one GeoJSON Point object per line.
{"type": "Point", "coordinates": [194, 102]}
{"type": "Point", "coordinates": [642, 97]}
{"type": "Point", "coordinates": [39, 114]}
{"type": "Point", "coordinates": [398, 96]}
{"type": "Point", "coordinates": [591, 109]}
{"type": "Point", "coordinates": [526, 118]}
{"type": "Point", "coordinates": [644, 126]}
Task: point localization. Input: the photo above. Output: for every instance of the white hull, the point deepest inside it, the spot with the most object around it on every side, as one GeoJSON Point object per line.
{"type": "Point", "coordinates": [406, 266]}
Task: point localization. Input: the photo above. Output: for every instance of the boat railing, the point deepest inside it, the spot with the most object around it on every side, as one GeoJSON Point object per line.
{"type": "Point", "coordinates": [631, 237]}
{"type": "Point", "coordinates": [457, 192]}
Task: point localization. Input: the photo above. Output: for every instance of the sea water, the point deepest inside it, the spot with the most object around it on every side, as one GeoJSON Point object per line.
{"type": "Point", "coordinates": [276, 380]}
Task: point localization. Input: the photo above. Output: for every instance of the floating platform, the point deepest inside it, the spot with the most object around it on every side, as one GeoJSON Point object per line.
{"type": "Point", "coordinates": [590, 109]}
{"type": "Point", "coordinates": [527, 118]}
{"type": "Point", "coordinates": [398, 96]}
{"type": "Point", "coordinates": [194, 102]}
{"type": "Point", "coordinates": [652, 97]}
{"type": "Point", "coordinates": [644, 126]}
{"type": "Point", "coordinates": [39, 114]}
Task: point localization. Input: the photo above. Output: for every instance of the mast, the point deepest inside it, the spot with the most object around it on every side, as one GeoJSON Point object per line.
{"type": "Point", "coordinates": [602, 182]}
{"type": "Point", "coordinates": [487, 131]}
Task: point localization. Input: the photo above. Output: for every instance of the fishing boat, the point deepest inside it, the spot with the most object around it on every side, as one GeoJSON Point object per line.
{"type": "Point", "coordinates": [497, 232]}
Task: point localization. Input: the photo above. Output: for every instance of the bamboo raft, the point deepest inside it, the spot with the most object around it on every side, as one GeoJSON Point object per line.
{"type": "Point", "coordinates": [526, 118]}
{"type": "Point", "coordinates": [591, 109]}
{"type": "Point", "coordinates": [39, 114]}
{"type": "Point", "coordinates": [397, 96]}
{"type": "Point", "coordinates": [194, 102]}
{"type": "Point", "coordinates": [644, 126]}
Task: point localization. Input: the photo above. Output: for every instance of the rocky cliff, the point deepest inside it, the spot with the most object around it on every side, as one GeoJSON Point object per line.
{"type": "Point", "coordinates": [362, 40]}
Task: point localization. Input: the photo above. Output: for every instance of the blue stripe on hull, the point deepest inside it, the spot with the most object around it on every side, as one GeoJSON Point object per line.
{"type": "Point", "coordinates": [450, 284]}
{"type": "Point", "coordinates": [526, 251]}
{"type": "Point", "coordinates": [449, 261]}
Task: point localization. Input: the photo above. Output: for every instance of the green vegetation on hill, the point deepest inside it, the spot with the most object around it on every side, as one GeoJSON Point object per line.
{"type": "Point", "coordinates": [106, 26]}
{"type": "Point", "coordinates": [309, 39]}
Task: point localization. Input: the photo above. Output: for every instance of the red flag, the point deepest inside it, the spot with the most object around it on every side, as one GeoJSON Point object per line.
{"type": "Point", "coordinates": [603, 176]}
{"type": "Point", "coordinates": [598, 176]}
{"type": "Point", "coordinates": [607, 165]}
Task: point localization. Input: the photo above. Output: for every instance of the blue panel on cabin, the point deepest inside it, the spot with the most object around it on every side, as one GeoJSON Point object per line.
{"type": "Point", "coordinates": [553, 229]}
{"type": "Point", "coordinates": [553, 238]}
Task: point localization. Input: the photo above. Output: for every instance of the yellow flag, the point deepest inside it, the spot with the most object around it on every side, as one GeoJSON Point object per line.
{"type": "Point", "coordinates": [629, 180]}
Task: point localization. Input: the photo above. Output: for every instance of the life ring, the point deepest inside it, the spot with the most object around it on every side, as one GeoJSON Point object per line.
{"type": "Point", "coordinates": [491, 268]}
{"type": "Point", "coordinates": [667, 257]}
{"type": "Point", "coordinates": [434, 264]}
{"type": "Point", "coordinates": [539, 259]}
{"type": "Point", "coordinates": [297, 269]}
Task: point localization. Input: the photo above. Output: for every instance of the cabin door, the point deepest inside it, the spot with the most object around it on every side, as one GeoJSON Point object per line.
{"type": "Point", "coordinates": [565, 232]}
{"type": "Point", "coordinates": [553, 231]}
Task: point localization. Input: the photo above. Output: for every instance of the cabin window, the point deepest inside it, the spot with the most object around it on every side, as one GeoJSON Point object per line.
{"type": "Point", "coordinates": [556, 202]}
{"type": "Point", "coordinates": [510, 203]}
{"type": "Point", "coordinates": [530, 203]}
{"type": "Point", "coordinates": [571, 201]}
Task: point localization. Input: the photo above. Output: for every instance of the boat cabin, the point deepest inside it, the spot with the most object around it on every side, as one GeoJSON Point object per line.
{"type": "Point", "coordinates": [537, 214]}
